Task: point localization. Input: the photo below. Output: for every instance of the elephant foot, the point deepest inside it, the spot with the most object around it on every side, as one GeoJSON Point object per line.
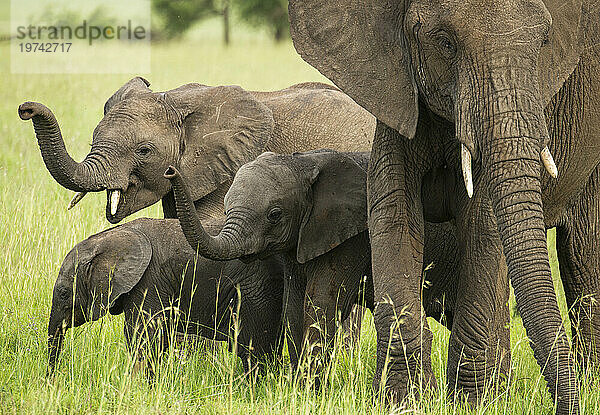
{"type": "Point", "coordinates": [399, 388]}
{"type": "Point", "coordinates": [476, 385]}
{"type": "Point", "coordinates": [142, 367]}
{"type": "Point", "coordinates": [474, 377]}
{"type": "Point", "coordinates": [403, 361]}
{"type": "Point", "coordinates": [402, 392]}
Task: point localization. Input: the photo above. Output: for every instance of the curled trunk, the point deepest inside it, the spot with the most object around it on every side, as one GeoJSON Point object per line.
{"type": "Point", "coordinates": [221, 247]}
{"type": "Point", "coordinates": [86, 176]}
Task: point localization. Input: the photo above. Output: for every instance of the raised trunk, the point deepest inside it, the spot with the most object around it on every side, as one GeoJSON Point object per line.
{"type": "Point", "coordinates": [222, 247]}
{"type": "Point", "coordinates": [87, 176]}
{"type": "Point", "coordinates": [510, 137]}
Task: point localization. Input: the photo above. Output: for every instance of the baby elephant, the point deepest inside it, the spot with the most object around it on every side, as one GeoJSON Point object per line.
{"type": "Point", "coordinates": [311, 209]}
{"type": "Point", "coordinates": [147, 270]}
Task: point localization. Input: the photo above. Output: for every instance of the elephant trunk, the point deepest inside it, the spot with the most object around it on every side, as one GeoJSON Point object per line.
{"type": "Point", "coordinates": [517, 204]}
{"type": "Point", "coordinates": [86, 176]}
{"type": "Point", "coordinates": [510, 133]}
{"type": "Point", "coordinates": [56, 334]}
{"type": "Point", "coordinates": [225, 246]}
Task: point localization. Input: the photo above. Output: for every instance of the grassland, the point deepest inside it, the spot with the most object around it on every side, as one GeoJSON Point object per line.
{"type": "Point", "coordinates": [94, 375]}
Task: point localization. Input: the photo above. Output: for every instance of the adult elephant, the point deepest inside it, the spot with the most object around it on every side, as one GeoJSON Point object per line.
{"type": "Point", "coordinates": [207, 132]}
{"type": "Point", "coordinates": [498, 85]}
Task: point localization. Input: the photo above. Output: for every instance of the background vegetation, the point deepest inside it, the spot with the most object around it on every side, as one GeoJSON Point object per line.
{"type": "Point", "coordinates": [173, 18]}
{"type": "Point", "coordinates": [94, 375]}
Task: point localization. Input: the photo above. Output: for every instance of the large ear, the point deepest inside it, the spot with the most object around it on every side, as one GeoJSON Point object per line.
{"type": "Point", "coordinates": [356, 44]}
{"type": "Point", "coordinates": [115, 261]}
{"type": "Point", "coordinates": [560, 55]}
{"type": "Point", "coordinates": [339, 204]}
{"type": "Point", "coordinates": [135, 86]}
{"type": "Point", "coordinates": [224, 128]}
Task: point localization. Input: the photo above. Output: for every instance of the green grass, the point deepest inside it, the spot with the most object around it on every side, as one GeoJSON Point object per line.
{"type": "Point", "coordinates": [94, 375]}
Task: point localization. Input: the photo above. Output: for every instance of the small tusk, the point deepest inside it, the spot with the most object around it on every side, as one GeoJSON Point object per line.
{"type": "Point", "coordinates": [114, 201]}
{"type": "Point", "coordinates": [76, 199]}
{"type": "Point", "coordinates": [548, 161]}
{"type": "Point", "coordinates": [466, 169]}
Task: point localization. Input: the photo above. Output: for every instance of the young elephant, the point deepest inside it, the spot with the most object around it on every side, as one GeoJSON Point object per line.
{"type": "Point", "coordinates": [146, 269]}
{"type": "Point", "coordinates": [311, 208]}
{"type": "Point", "coordinates": [207, 132]}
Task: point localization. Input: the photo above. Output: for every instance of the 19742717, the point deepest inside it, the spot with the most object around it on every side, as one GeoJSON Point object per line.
{"type": "Point", "coordinates": [48, 47]}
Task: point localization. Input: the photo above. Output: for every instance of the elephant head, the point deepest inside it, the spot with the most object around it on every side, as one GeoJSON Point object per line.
{"type": "Point", "coordinates": [93, 278]}
{"type": "Point", "coordinates": [306, 204]}
{"type": "Point", "coordinates": [208, 132]}
{"type": "Point", "coordinates": [490, 68]}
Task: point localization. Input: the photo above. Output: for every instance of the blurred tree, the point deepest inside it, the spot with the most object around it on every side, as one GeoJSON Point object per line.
{"type": "Point", "coordinates": [270, 13]}
{"type": "Point", "coordinates": [177, 16]}
{"type": "Point", "coordinates": [225, 13]}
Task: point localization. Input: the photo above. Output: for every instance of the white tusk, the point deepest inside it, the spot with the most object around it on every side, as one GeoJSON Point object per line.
{"type": "Point", "coordinates": [466, 169]}
{"type": "Point", "coordinates": [114, 201]}
{"type": "Point", "coordinates": [76, 199]}
{"type": "Point", "coordinates": [548, 161]}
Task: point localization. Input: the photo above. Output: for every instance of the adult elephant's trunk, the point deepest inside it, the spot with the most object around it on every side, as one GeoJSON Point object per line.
{"type": "Point", "coordinates": [87, 176]}
{"type": "Point", "coordinates": [225, 246]}
{"type": "Point", "coordinates": [510, 131]}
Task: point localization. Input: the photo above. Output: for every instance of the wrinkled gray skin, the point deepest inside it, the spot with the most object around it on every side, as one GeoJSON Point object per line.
{"type": "Point", "coordinates": [503, 79]}
{"type": "Point", "coordinates": [311, 207]}
{"type": "Point", "coordinates": [145, 269]}
{"type": "Point", "coordinates": [207, 132]}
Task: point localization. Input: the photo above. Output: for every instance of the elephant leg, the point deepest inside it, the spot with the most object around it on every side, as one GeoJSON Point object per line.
{"type": "Point", "coordinates": [293, 312]}
{"type": "Point", "coordinates": [441, 260]}
{"type": "Point", "coordinates": [134, 339]}
{"type": "Point", "coordinates": [479, 349]}
{"type": "Point", "coordinates": [327, 303]}
{"type": "Point", "coordinates": [319, 329]}
{"type": "Point", "coordinates": [337, 281]}
{"type": "Point", "coordinates": [352, 325]}
{"type": "Point", "coordinates": [147, 337]}
{"type": "Point", "coordinates": [579, 261]}
{"type": "Point", "coordinates": [396, 228]}
{"type": "Point", "coordinates": [261, 334]}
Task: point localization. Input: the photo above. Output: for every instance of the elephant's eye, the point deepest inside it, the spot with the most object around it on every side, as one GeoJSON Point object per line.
{"type": "Point", "coordinates": [143, 150]}
{"type": "Point", "coordinates": [446, 44]}
{"type": "Point", "coordinates": [546, 39]}
{"type": "Point", "coordinates": [274, 215]}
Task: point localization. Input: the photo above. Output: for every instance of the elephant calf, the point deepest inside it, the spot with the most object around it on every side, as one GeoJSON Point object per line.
{"type": "Point", "coordinates": [146, 270]}
{"type": "Point", "coordinates": [310, 208]}
{"type": "Point", "coordinates": [208, 132]}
